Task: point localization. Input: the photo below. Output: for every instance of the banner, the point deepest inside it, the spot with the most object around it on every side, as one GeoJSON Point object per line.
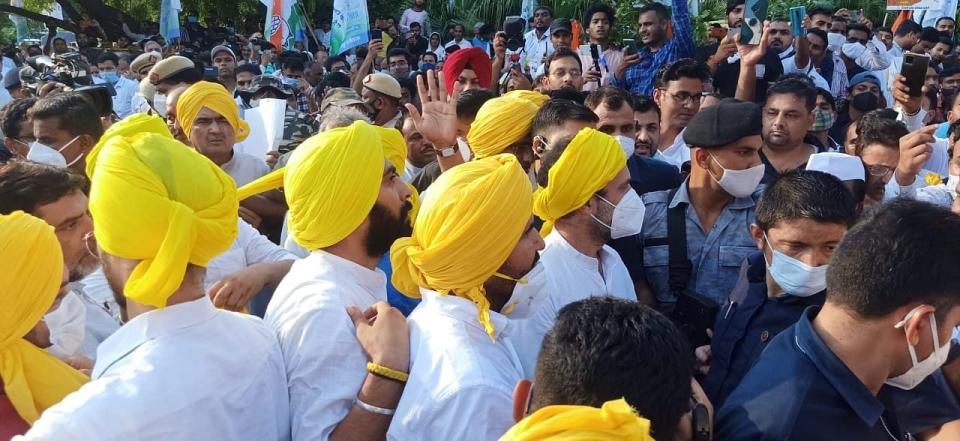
{"type": "Point", "coordinates": [285, 23]}
{"type": "Point", "coordinates": [913, 5]}
{"type": "Point", "coordinates": [170, 20]}
{"type": "Point", "coordinates": [527, 8]}
{"type": "Point", "coordinates": [350, 26]}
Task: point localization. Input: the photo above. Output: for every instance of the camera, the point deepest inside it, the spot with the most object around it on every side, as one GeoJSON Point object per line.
{"type": "Point", "coordinates": [68, 69]}
{"type": "Point", "coordinates": [513, 27]}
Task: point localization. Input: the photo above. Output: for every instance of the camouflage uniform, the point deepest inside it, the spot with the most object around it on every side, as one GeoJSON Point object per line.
{"type": "Point", "coordinates": [297, 127]}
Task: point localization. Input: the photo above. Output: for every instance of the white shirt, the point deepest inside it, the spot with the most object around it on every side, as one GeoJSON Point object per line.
{"type": "Point", "coordinates": [582, 276]}
{"type": "Point", "coordinates": [410, 16]}
{"type": "Point", "coordinates": [789, 61]}
{"type": "Point", "coordinates": [244, 168]}
{"type": "Point", "coordinates": [139, 104]}
{"type": "Point", "coordinates": [67, 326]}
{"type": "Point", "coordinates": [461, 383]}
{"type": "Point", "coordinates": [463, 44]}
{"type": "Point", "coordinates": [934, 194]}
{"type": "Point", "coordinates": [535, 50]}
{"type": "Point", "coordinates": [325, 364]}
{"type": "Point", "coordinates": [184, 372]}
{"type": "Point", "coordinates": [123, 100]}
{"type": "Point", "coordinates": [410, 171]}
{"type": "Point", "coordinates": [103, 311]}
{"type": "Point", "coordinates": [249, 248]}
{"type": "Point", "coordinates": [677, 154]}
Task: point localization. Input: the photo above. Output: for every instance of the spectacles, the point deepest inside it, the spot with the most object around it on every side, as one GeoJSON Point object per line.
{"type": "Point", "coordinates": [683, 98]}
{"type": "Point", "coordinates": [879, 170]}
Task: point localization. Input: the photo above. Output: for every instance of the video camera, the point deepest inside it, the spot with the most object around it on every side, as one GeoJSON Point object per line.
{"type": "Point", "coordinates": [513, 27]}
{"type": "Point", "coordinates": [69, 69]}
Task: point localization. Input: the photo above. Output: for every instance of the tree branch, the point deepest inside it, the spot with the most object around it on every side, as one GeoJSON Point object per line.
{"type": "Point", "coordinates": [39, 17]}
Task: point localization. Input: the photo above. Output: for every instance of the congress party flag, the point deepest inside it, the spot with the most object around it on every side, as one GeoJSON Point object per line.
{"type": "Point", "coordinates": [285, 23]}
{"type": "Point", "coordinates": [350, 25]}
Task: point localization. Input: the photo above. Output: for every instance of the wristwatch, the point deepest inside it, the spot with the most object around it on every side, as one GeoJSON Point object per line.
{"type": "Point", "coordinates": [447, 152]}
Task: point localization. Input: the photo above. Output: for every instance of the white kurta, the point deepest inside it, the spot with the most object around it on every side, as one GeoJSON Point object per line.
{"type": "Point", "coordinates": [185, 372]}
{"type": "Point", "coordinates": [244, 168]}
{"type": "Point", "coordinates": [67, 326]}
{"type": "Point", "coordinates": [325, 364]}
{"type": "Point", "coordinates": [580, 276]}
{"type": "Point", "coordinates": [249, 248]}
{"type": "Point", "coordinates": [461, 382]}
{"type": "Point", "coordinates": [103, 311]}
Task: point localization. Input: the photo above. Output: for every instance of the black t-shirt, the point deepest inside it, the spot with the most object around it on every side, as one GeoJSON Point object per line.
{"type": "Point", "coordinates": [725, 79]}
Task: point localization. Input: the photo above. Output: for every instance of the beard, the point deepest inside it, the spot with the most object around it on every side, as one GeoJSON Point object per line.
{"type": "Point", "coordinates": [385, 228]}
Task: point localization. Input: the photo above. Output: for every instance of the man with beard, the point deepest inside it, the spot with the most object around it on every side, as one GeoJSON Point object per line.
{"type": "Point", "coordinates": [678, 91]}
{"type": "Point", "coordinates": [420, 152]}
{"type": "Point", "coordinates": [563, 71]}
{"type": "Point", "coordinates": [225, 61]}
{"type": "Point", "coordinates": [795, 58]}
{"type": "Point", "coordinates": [347, 206]}
{"type": "Point", "coordinates": [536, 43]}
{"type": "Point", "coordinates": [471, 258]}
{"type": "Point", "coordinates": [467, 69]}
{"type": "Point", "coordinates": [787, 116]}
{"type": "Point", "coordinates": [638, 70]}
{"type": "Point", "coordinates": [724, 61]}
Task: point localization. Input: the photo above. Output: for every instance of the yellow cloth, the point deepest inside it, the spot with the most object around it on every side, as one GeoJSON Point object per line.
{"type": "Point", "coordinates": [395, 149]}
{"type": "Point", "coordinates": [615, 421]}
{"type": "Point", "coordinates": [156, 200]}
{"type": "Point", "coordinates": [586, 166]}
{"type": "Point", "coordinates": [472, 221]}
{"type": "Point", "coordinates": [214, 97]}
{"type": "Point", "coordinates": [331, 183]}
{"type": "Point", "coordinates": [33, 269]}
{"type": "Point", "coordinates": [504, 121]}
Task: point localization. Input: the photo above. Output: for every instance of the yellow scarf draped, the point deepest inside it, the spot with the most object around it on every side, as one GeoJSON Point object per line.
{"type": "Point", "coordinates": [616, 420]}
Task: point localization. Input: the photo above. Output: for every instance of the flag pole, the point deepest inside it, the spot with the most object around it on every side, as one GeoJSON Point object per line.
{"type": "Point", "coordinates": [313, 34]}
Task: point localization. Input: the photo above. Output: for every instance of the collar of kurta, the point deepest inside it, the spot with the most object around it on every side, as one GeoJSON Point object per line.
{"type": "Point", "coordinates": [463, 310]}
{"type": "Point", "coordinates": [374, 281]}
{"type": "Point", "coordinates": [149, 326]}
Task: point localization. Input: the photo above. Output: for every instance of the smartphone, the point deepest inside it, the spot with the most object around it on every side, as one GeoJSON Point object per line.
{"type": "Point", "coordinates": [856, 15]}
{"type": "Point", "coordinates": [376, 34]}
{"type": "Point", "coordinates": [915, 70]}
{"type": "Point", "coordinates": [629, 46]}
{"type": "Point", "coordinates": [797, 14]}
{"type": "Point", "coordinates": [753, 16]}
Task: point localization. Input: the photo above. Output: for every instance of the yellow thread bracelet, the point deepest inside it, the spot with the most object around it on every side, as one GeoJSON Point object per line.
{"type": "Point", "coordinates": [387, 373]}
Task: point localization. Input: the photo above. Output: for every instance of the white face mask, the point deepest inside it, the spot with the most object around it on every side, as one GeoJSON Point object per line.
{"type": "Point", "coordinates": [254, 104]}
{"type": "Point", "coordinates": [920, 370]}
{"type": "Point", "coordinates": [853, 50]}
{"type": "Point", "coordinates": [627, 215]}
{"type": "Point", "coordinates": [952, 185]}
{"type": "Point", "coordinates": [44, 154]}
{"type": "Point", "coordinates": [835, 41]}
{"type": "Point", "coordinates": [739, 183]}
{"type": "Point", "coordinates": [527, 291]}
{"type": "Point", "coordinates": [795, 277]}
{"type": "Point", "coordinates": [160, 104]}
{"type": "Point", "coordinates": [628, 145]}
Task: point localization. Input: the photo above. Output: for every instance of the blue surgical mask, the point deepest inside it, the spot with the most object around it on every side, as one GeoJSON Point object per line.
{"type": "Point", "coordinates": [795, 277]}
{"type": "Point", "coordinates": [427, 66]}
{"type": "Point", "coordinates": [292, 83]}
{"type": "Point", "coordinates": [110, 76]}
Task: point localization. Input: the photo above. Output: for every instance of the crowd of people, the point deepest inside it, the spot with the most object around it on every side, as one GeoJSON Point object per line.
{"type": "Point", "coordinates": [514, 237]}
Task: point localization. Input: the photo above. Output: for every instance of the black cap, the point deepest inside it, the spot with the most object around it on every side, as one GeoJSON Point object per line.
{"type": "Point", "coordinates": [266, 82]}
{"type": "Point", "coordinates": [561, 24]}
{"type": "Point", "coordinates": [723, 123]}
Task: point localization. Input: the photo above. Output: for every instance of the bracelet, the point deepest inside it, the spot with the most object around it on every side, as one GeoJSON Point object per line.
{"type": "Point", "coordinates": [373, 409]}
{"type": "Point", "coordinates": [387, 373]}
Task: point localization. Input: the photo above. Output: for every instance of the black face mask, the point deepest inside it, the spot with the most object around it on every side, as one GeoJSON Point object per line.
{"type": "Point", "coordinates": [865, 102]}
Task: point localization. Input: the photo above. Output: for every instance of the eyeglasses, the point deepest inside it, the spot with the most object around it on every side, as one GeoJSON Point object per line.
{"type": "Point", "coordinates": [879, 170]}
{"type": "Point", "coordinates": [683, 98]}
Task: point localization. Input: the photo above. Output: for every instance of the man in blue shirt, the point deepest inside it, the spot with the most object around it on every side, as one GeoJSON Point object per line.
{"type": "Point", "coordinates": [801, 218]}
{"type": "Point", "coordinates": [638, 70]}
{"type": "Point", "coordinates": [893, 303]}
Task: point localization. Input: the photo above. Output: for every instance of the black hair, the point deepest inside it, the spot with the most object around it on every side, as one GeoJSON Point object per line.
{"type": "Point", "coordinates": [252, 69]}
{"type": "Point", "coordinates": [566, 93]}
{"type": "Point", "coordinates": [398, 52]}
{"type": "Point", "coordinates": [602, 349]}
{"type": "Point", "coordinates": [954, 131]}
{"type": "Point", "coordinates": [907, 27]}
{"type": "Point", "coordinates": [644, 104]}
{"type": "Point", "coordinates": [883, 29]}
{"type": "Point", "coordinates": [819, 33]}
{"type": "Point", "coordinates": [334, 79]}
{"type": "Point", "coordinates": [806, 194]}
{"type": "Point", "coordinates": [428, 53]}
{"type": "Point", "coordinates": [828, 97]}
{"type": "Point", "coordinates": [550, 157]}
{"type": "Point", "coordinates": [328, 65]}
{"type": "Point", "coordinates": [950, 101]}
{"type": "Point", "coordinates": [610, 96]}
{"type": "Point", "coordinates": [554, 113]}
{"type": "Point", "coordinates": [470, 102]}
{"type": "Point", "coordinates": [732, 4]}
{"type": "Point", "coordinates": [415, 24]}
{"type": "Point", "coordinates": [930, 34]}
{"type": "Point", "coordinates": [108, 56]}
{"type": "Point", "coordinates": [74, 112]}
{"type": "Point", "coordinates": [944, 18]}
{"type": "Point", "coordinates": [819, 10]}
{"type": "Point", "coordinates": [14, 115]}
{"type": "Point", "coordinates": [187, 76]}
{"type": "Point", "coordinates": [859, 27]}
{"type": "Point", "coordinates": [906, 252]}
{"type": "Point", "coordinates": [656, 8]}
{"type": "Point", "coordinates": [880, 127]}
{"type": "Point", "coordinates": [544, 8]}
{"type": "Point", "coordinates": [562, 52]}
{"type": "Point", "coordinates": [839, 18]}
{"type": "Point", "coordinates": [26, 186]}
{"type": "Point", "coordinates": [947, 41]}
{"type": "Point", "coordinates": [799, 88]}
{"type": "Point", "coordinates": [598, 8]}
{"type": "Point", "coordinates": [682, 68]}
{"type": "Point", "coordinates": [294, 64]}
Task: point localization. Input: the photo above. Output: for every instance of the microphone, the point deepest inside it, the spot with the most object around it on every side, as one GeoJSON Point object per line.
{"type": "Point", "coordinates": [595, 54]}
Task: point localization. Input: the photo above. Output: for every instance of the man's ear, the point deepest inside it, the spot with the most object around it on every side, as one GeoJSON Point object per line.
{"type": "Point", "coordinates": [88, 142]}
{"type": "Point", "coordinates": [521, 399]}
{"type": "Point", "coordinates": [757, 235]}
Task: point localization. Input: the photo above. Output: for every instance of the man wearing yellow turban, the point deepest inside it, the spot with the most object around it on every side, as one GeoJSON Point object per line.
{"type": "Point", "coordinates": [32, 380]}
{"type": "Point", "coordinates": [503, 126]}
{"type": "Point", "coordinates": [347, 206]}
{"type": "Point", "coordinates": [179, 368]}
{"type": "Point", "coordinates": [610, 369]}
{"type": "Point", "coordinates": [473, 244]}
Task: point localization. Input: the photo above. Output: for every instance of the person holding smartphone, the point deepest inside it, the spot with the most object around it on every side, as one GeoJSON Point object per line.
{"type": "Point", "coordinates": [638, 69]}
{"type": "Point", "coordinates": [599, 20]}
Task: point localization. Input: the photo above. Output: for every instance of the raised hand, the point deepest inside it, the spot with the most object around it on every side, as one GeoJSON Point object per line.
{"type": "Point", "coordinates": [915, 150]}
{"type": "Point", "coordinates": [750, 55]}
{"type": "Point", "coordinates": [438, 120]}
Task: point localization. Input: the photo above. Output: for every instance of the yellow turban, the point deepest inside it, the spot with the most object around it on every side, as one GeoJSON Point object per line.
{"type": "Point", "coordinates": [33, 269]}
{"type": "Point", "coordinates": [504, 121]}
{"type": "Point", "coordinates": [214, 97]}
{"type": "Point", "coordinates": [586, 166]}
{"type": "Point", "coordinates": [466, 229]}
{"type": "Point", "coordinates": [331, 183]}
{"type": "Point", "coordinates": [615, 421]}
{"type": "Point", "coordinates": [156, 200]}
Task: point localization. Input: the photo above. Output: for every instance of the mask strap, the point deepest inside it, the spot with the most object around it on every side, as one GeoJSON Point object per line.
{"type": "Point", "coordinates": [499, 275]}
{"type": "Point", "coordinates": [61, 149]}
{"type": "Point", "coordinates": [933, 324]}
